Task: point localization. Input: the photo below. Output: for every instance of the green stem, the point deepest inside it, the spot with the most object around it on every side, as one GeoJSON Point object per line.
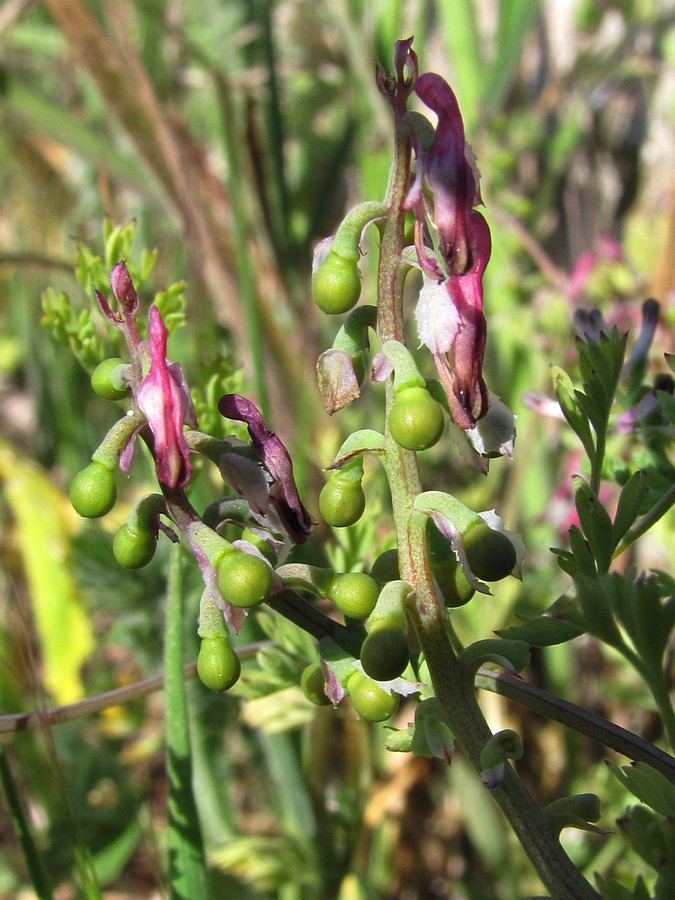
{"type": "Point", "coordinates": [580, 720]}
{"type": "Point", "coordinates": [455, 693]}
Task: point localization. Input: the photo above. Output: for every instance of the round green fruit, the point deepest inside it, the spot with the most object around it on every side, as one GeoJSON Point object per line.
{"type": "Point", "coordinates": [341, 501]}
{"type": "Point", "coordinates": [106, 382]}
{"type": "Point", "coordinates": [385, 653]}
{"type": "Point", "coordinates": [218, 665]}
{"type": "Point", "coordinates": [313, 683]}
{"type": "Point", "coordinates": [93, 491]}
{"type": "Point", "coordinates": [244, 579]}
{"type": "Point", "coordinates": [133, 549]}
{"type": "Point", "coordinates": [336, 285]}
{"type": "Point", "coordinates": [354, 593]}
{"type": "Point", "coordinates": [370, 700]}
{"type": "Point", "coordinates": [416, 420]}
{"type": "Point", "coordinates": [447, 571]}
{"type": "Point", "coordinates": [490, 553]}
{"type": "Point", "coordinates": [385, 568]}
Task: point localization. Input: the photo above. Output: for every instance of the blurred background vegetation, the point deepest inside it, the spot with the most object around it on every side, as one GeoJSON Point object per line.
{"type": "Point", "coordinates": [236, 133]}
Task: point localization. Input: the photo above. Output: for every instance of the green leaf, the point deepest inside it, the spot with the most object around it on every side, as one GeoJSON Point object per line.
{"type": "Point", "coordinates": [596, 523]}
{"type": "Point", "coordinates": [648, 785]}
{"type": "Point", "coordinates": [187, 870]}
{"type": "Point", "coordinates": [597, 612]}
{"type": "Point", "coordinates": [572, 409]}
{"type": "Point", "coordinates": [582, 552]}
{"type": "Point", "coordinates": [633, 495]}
{"type": "Point", "coordinates": [542, 631]}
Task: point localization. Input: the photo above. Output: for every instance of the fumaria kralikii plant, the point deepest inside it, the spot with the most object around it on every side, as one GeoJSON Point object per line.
{"type": "Point", "coordinates": [396, 638]}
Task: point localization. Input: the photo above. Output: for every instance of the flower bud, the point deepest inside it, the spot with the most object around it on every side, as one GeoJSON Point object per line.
{"type": "Point", "coordinates": [416, 420]}
{"type": "Point", "coordinates": [218, 665]}
{"type": "Point", "coordinates": [93, 491]}
{"type": "Point", "coordinates": [243, 578]}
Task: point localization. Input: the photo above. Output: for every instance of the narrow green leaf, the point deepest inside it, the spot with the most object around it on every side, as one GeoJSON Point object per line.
{"type": "Point", "coordinates": [633, 495]}
{"type": "Point", "coordinates": [542, 631]}
{"type": "Point", "coordinates": [595, 522]}
{"type": "Point", "coordinates": [648, 785]}
{"type": "Point", "coordinates": [515, 20]}
{"type": "Point", "coordinates": [597, 612]}
{"type": "Point", "coordinates": [186, 856]}
{"type": "Point", "coordinates": [463, 49]}
{"type": "Point", "coordinates": [572, 409]}
{"type": "Point", "coordinates": [582, 552]}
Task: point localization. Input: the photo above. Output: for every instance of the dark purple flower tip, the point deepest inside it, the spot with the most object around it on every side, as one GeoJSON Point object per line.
{"type": "Point", "coordinates": [164, 398]}
{"type": "Point", "coordinates": [450, 173]}
{"type": "Point", "coordinates": [123, 288]}
{"type": "Point", "coordinates": [111, 315]}
{"type": "Point", "coordinates": [397, 89]}
{"type": "Point", "coordinates": [274, 456]}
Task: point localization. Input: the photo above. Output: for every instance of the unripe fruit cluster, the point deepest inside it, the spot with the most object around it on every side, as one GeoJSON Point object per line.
{"type": "Point", "coordinates": [416, 420]}
{"type": "Point", "coordinates": [93, 491]}
{"type": "Point", "coordinates": [371, 701]}
{"type": "Point", "coordinates": [218, 665]}
{"type": "Point", "coordinates": [354, 593]}
{"type": "Point", "coordinates": [243, 578]}
{"type": "Point", "coordinates": [336, 284]}
{"type": "Point", "coordinates": [342, 500]}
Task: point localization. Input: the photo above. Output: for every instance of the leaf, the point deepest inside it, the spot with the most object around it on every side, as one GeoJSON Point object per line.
{"type": "Point", "coordinates": [187, 869]}
{"type": "Point", "coordinates": [648, 785]}
{"type": "Point", "coordinates": [633, 495]}
{"type": "Point", "coordinates": [542, 631]}
{"type": "Point", "coordinates": [44, 523]}
{"type": "Point", "coordinates": [572, 409]}
{"type": "Point", "coordinates": [596, 523]}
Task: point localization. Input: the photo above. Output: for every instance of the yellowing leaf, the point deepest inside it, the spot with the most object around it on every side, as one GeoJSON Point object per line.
{"type": "Point", "coordinates": [44, 522]}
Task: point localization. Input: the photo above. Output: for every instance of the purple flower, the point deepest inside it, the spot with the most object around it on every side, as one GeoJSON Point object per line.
{"type": "Point", "coordinates": [164, 398]}
{"type": "Point", "coordinates": [283, 493]}
{"type": "Point", "coordinates": [453, 246]}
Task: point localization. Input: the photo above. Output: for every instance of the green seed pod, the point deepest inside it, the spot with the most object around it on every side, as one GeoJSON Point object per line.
{"type": "Point", "coordinates": [218, 665]}
{"type": "Point", "coordinates": [385, 568]}
{"type": "Point", "coordinates": [336, 284]}
{"type": "Point", "coordinates": [106, 380]}
{"type": "Point", "coordinates": [490, 553]}
{"type": "Point", "coordinates": [354, 593]}
{"type": "Point", "coordinates": [244, 579]}
{"type": "Point", "coordinates": [370, 700]}
{"type": "Point", "coordinates": [342, 501]}
{"type": "Point", "coordinates": [385, 653]}
{"type": "Point", "coordinates": [93, 491]}
{"type": "Point", "coordinates": [312, 683]}
{"type": "Point", "coordinates": [133, 549]}
{"type": "Point", "coordinates": [449, 575]}
{"type": "Point", "coordinates": [416, 421]}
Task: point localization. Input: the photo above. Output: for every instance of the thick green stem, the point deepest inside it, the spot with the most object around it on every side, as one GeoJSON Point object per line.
{"type": "Point", "coordinates": [455, 693]}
